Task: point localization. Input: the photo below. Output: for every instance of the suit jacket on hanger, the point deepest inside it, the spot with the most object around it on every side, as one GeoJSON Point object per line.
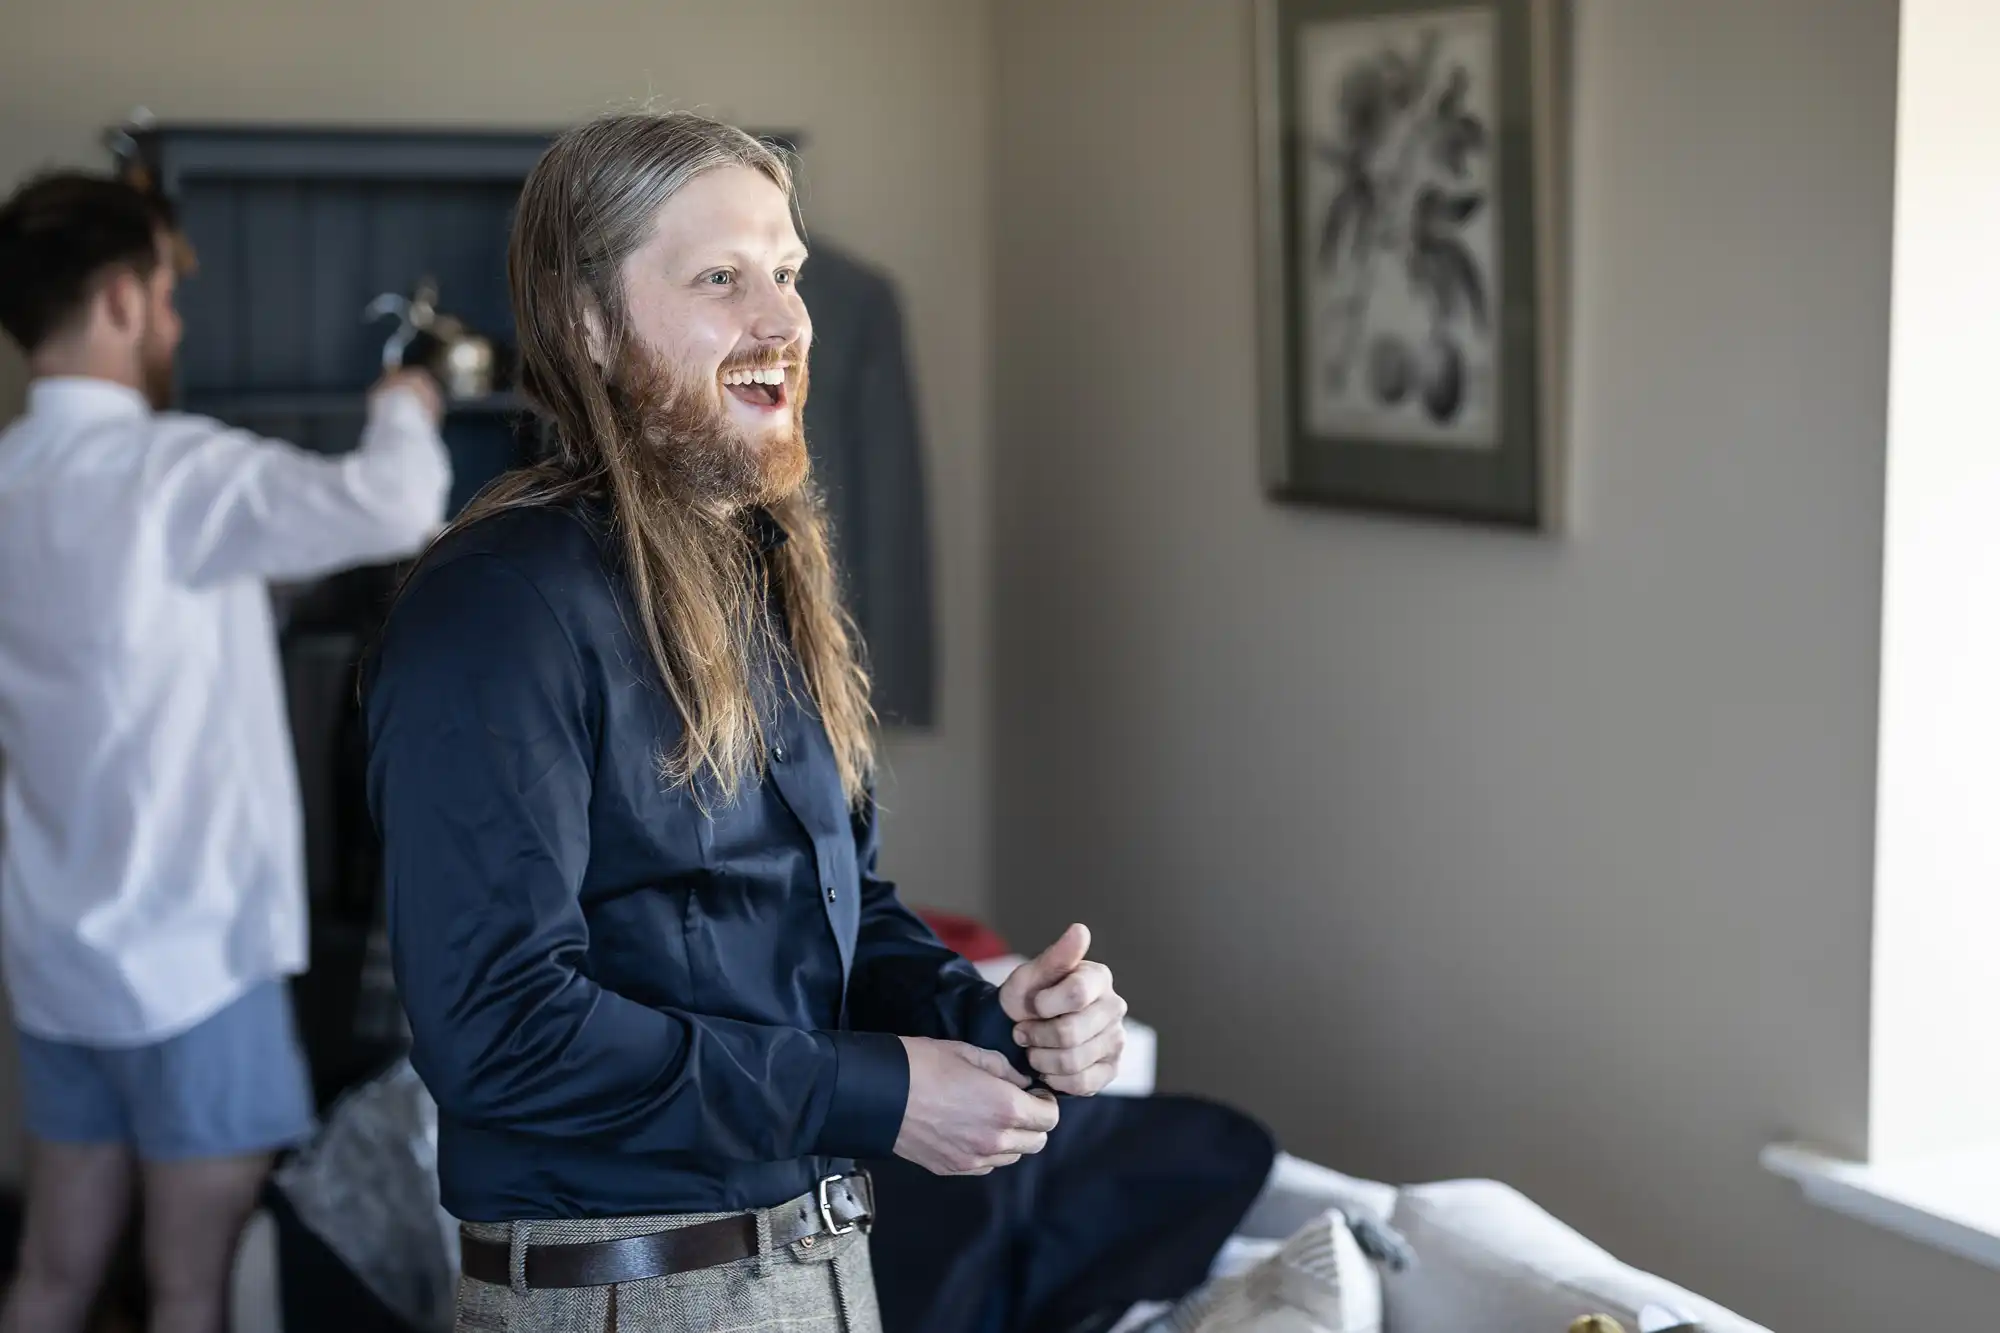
{"type": "Point", "coordinates": [861, 428]}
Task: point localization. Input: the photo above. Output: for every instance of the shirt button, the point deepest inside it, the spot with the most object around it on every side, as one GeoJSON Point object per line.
{"type": "Point", "coordinates": [778, 752]}
{"type": "Point", "coordinates": [832, 894]}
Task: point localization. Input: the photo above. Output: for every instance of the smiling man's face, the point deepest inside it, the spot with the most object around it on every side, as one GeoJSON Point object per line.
{"type": "Point", "coordinates": [714, 308]}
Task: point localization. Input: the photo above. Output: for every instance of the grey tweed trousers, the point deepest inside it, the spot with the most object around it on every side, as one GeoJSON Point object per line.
{"type": "Point", "coordinates": [821, 1285]}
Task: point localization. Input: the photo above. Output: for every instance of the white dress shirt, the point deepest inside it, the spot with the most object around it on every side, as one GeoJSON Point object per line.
{"type": "Point", "coordinates": [152, 864]}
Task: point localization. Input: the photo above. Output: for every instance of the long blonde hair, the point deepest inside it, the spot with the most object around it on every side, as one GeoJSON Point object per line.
{"type": "Point", "coordinates": [696, 581]}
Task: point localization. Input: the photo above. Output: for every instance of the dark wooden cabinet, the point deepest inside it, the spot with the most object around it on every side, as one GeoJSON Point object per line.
{"type": "Point", "coordinates": [296, 230]}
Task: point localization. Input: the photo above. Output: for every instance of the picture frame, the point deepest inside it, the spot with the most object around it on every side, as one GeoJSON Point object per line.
{"type": "Point", "coordinates": [1413, 186]}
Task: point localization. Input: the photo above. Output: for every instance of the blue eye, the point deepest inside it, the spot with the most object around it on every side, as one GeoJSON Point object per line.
{"type": "Point", "coordinates": [722, 277]}
{"type": "Point", "coordinates": [787, 276]}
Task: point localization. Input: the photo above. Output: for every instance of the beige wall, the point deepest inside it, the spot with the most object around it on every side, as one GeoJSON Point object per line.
{"type": "Point", "coordinates": [1454, 852]}
{"type": "Point", "coordinates": [895, 96]}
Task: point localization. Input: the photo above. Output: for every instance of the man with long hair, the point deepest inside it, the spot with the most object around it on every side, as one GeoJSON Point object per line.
{"type": "Point", "coordinates": [152, 873]}
{"type": "Point", "coordinates": [621, 759]}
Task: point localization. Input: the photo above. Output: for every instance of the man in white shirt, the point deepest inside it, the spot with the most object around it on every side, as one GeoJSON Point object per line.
{"type": "Point", "coordinates": [152, 897]}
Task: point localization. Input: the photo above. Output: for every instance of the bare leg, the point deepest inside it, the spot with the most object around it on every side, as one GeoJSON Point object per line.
{"type": "Point", "coordinates": [79, 1197]}
{"type": "Point", "coordinates": [195, 1214]}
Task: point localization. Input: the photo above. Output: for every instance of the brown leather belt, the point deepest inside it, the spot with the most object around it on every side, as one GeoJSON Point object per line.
{"type": "Point", "coordinates": [838, 1205]}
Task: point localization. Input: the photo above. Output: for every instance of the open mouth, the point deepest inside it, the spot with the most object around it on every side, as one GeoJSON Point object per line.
{"type": "Point", "coordinates": [763, 389]}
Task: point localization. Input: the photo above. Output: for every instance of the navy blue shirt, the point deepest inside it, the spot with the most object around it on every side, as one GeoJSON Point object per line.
{"type": "Point", "coordinates": [621, 1004]}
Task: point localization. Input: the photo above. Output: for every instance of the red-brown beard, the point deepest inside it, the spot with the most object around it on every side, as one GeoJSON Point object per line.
{"type": "Point", "coordinates": [708, 459]}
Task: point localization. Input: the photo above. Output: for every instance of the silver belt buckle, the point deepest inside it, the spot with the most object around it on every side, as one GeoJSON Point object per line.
{"type": "Point", "coordinates": [827, 1203]}
{"type": "Point", "coordinates": [826, 1217]}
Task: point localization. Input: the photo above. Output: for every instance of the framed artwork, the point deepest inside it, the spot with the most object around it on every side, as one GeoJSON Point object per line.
{"type": "Point", "coordinates": [1412, 178]}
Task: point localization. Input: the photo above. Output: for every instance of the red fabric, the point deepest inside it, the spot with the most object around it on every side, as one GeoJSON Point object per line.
{"type": "Point", "coordinates": [973, 939]}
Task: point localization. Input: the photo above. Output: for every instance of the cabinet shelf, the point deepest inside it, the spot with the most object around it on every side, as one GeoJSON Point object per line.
{"type": "Point", "coordinates": [325, 402]}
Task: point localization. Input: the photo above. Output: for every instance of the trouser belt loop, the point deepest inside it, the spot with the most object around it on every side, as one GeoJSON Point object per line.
{"type": "Point", "coordinates": [517, 1257]}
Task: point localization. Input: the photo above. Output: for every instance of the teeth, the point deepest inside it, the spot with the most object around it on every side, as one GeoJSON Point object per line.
{"type": "Point", "coordinates": [773, 375]}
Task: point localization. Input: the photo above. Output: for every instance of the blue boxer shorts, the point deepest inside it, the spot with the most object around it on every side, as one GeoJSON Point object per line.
{"type": "Point", "coordinates": [233, 1085]}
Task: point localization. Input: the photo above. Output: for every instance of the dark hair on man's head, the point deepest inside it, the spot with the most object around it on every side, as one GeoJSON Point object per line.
{"type": "Point", "coordinates": [61, 234]}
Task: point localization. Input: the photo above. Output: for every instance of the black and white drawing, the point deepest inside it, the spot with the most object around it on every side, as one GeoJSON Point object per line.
{"type": "Point", "coordinates": [1412, 258]}
{"type": "Point", "coordinates": [1398, 233]}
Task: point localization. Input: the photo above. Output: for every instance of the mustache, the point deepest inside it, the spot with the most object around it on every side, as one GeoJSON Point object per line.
{"type": "Point", "coordinates": [792, 354]}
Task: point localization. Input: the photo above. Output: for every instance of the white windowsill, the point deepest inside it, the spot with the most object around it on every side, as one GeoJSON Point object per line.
{"type": "Point", "coordinates": [1950, 1202]}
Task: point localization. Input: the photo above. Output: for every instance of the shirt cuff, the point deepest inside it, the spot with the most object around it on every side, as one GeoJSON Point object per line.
{"type": "Point", "coordinates": [990, 1027]}
{"type": "Point", "coordinates": [871, 1088]}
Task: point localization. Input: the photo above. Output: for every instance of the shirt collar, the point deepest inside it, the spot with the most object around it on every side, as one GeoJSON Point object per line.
{"type": "Point", "coordinates": [82, 398]}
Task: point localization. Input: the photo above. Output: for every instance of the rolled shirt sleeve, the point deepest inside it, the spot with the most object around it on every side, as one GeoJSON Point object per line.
{"type": "Point", "coordinates": [237, 505]}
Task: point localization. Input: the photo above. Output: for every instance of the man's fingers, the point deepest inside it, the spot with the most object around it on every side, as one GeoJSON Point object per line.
{"type": "Point", "coordinates": [1023, 1142]}
{"type": "Point", "coordinates": [1074, 1029]}
{"type": "Point", "coordinates": [1106, 1045]}
{"type": "Point", "coordinates": [1061, 958]}
{"type": "Point", "coordinates": [1035, 1112]}
{"type": "Point", "coordinates": [994, 1063]}
{"type": "Point", "coordinates": [1088, 1083]}
{"type": "Point", "coordinates": [1068, 950]}
{"type": "Point", "coordinates": [1044, 970]}
{"type": "Point", "coordinates": [1083, 987]}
